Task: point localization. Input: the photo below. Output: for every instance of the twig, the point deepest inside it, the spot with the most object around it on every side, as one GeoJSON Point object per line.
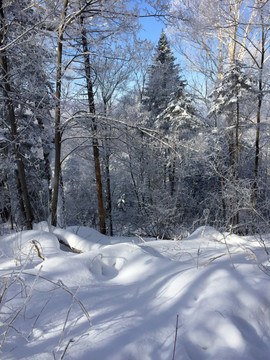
{"type": "Point", "coordinates": [262, 243]}
{"type": "Point", "coordinates": [206, 213]}
{"type": "Point", "coordinates": [34, 324]}
{"type": "Point", "coordinates": [37, 247]}
{"type": "Point", "coordinates": [9, 325]}
{"type": "Point", "coordinates": [66, 289]}
{"type": "Point", "coordinates": [221, 255]}
{"type": "Point", "coordinates": [175, 338]}
{"type": "Point", "coordinates": [66, 320]}
{"type": "Point", "coordinates": [140, 238]}
{"type": "Point", "coordinates": [65, 350]}
{"type": "Point", "coordinates": [4, 291]}
{"type": "Point", "coordinates": [227, 247]}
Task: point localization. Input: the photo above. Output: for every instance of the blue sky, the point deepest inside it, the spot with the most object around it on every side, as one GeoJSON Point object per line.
{"type": "Point", "coordinates": [151, 29]}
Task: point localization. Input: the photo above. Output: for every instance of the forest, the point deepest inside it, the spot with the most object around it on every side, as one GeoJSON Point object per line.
{"type": "Point", "coordinates": [134, 180]}
{"type": "Point", "coordinates": [100, 128]}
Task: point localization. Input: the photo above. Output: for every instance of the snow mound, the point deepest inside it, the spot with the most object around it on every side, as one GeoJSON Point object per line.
{"type": "Point", "coordinates": [82, 238]}
{"type": "Point", "coordinates": [73, 240]}
{"type": "Point", "coordinates": [106, 267]}
{"type": "Point", "coordinates": [207, 233]}
{"type": "Point", "coordinates": [20, 244]}
{"type": "Point", "coordinates": [133, 294]}
{"type": "Point", "coordinates": [89, 234]}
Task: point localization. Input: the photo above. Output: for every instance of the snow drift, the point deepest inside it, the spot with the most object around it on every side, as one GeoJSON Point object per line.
{"type": "Point", "coordinates": [119, 298]}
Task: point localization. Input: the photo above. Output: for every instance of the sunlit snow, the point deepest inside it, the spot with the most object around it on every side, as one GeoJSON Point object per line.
{"type": "Point", "coordinates": [118, 298]}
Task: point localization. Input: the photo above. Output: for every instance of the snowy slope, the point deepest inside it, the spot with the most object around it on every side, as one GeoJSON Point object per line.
{"type": "Point", "coordinates": [119, 298]}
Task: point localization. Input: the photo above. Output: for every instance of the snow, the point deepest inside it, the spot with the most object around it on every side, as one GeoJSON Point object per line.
{"type": "Point", "coordinates": [118, 298]}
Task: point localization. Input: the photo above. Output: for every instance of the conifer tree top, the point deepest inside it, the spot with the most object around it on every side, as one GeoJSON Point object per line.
{"type": "Point", "coordinates": [163, 78]}
{"type": "Point", "coordinates": [164, 52]}
{"type": "Point", "coordinates": [235, 86]}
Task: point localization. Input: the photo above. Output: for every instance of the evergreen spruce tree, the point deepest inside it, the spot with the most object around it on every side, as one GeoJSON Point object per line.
{"type": "Point", "coordinates": [163, 79]}
{"type": "Point", "coordinates": [180, 119]}
{"type": "Point", "coordinates": [235, 88]}
{"type": "Point", "coordinates": [232, 99]}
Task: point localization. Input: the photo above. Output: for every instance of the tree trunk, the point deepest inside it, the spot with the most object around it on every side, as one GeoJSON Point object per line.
{"type": "Point", "coordinates": [58, 134]}
{"type": "Point", "coordinates": [107, 173]}
{"type": "Point", "coordinates": [108, 176]}
{"type": "Point", "coordinates": [172, 170]}
{"type": "Point", "coordinates": [29, 217]}
{"type": "Point", "coordinates": [224, 209]}
{"type": "Point", "coordinates": [95, 144]}
{"type": "Point", "coordinates": [259, 107]}
{"type": "Point", "coordinates": [135, 185]}
{"type": "Point", "coordinates": [108, 188]}
{"type": "Point", "coordinates": [28, 213]}
{"type": "Point", "coordinates": [236, 176]}
{"type": "Point", "coordinates": [46, 157]}
{"type": "Point", "coordinates": [257, 154]}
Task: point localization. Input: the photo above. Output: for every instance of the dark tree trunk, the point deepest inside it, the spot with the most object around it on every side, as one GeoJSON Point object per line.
{"type": "Point", "coordinates": [236, 176]}
{"type": "Point", "coordinates": [16, 147]}
{"type": "Point", "coordinates": [109, 196]}
{"type": "Point", "coordinates": [95, 144]}
{"type": "Point", "coordinates": [258, 122]}
{"type": "Point", "coordinates": [24, 194]}
{"type": "Point", "coordinates": [172, 177]}
{"type": "Point", "coordinates": [58, 134]}
{"type": "Point", "coordinates": [107, 154]}
{"type": "Point", "coordinates": [46, 157]}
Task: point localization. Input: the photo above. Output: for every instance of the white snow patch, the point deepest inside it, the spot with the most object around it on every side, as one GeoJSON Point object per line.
{"type": "Point", "coordinates": [217, 283]}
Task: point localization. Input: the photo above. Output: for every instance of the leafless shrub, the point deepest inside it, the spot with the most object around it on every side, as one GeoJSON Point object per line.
{"type": "Point", "coordinates": [17, 296]}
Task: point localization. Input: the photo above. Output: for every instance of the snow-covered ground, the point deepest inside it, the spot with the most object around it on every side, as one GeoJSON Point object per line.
{"type": "Point", "coordinates": [120, 298]}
